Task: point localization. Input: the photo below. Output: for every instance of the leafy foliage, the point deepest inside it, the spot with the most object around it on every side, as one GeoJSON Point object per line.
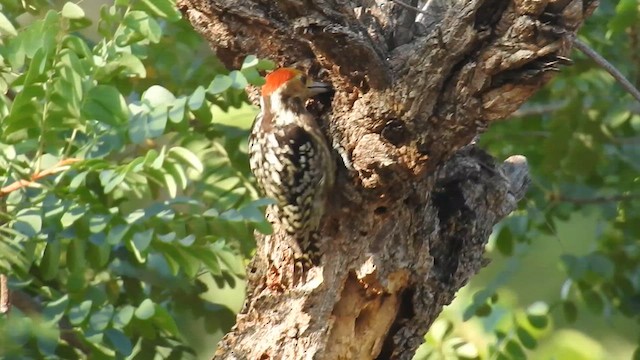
{"type": "Point", "coordinates": [127, 208]}
{"type": "Point", "coordinates": [139, 194]}
{"type": "Point", "coordinates": [581, 137]}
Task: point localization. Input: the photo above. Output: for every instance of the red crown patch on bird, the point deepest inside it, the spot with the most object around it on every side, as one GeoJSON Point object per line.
{"type": "Point", "coordinates": [278, 77]}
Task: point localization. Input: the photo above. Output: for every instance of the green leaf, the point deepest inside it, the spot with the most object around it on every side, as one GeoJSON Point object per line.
{"type": "Point", "coordinates": [231, 215]}
{"type": "Point", "coordinates": [515, 350]}
{"type": "Point", "coordinates": [79, 24]}
{"type": "Point", "coordinates": [626, 15]}
{"type": "Point", "coordinates": [98, 223]}
{"type": "Point", "coordinates": [72, 11]}
{"type": "Point", "coordinates": [252, 214]}
{"type": "Point", "coordinates": [158, 161]}
{"type": "Point", "coordinates": [440, 330]}
{"type": "Point", "coordinates": [483, 310]}
{"type": "Point", "coordinates": [219, 84]}
{"type": "Point", "coordinates": [72, 215]}
{"type": "Point", "coordinates": [249, 61]}
{"type": "Point", "coordinates": [6, 27]}
{"type": "Point", "coordinates": [165, 321]}
{"type": "Point", "coordinates": [574, 266]}
{"type": "Point", "coordinates": [170, 185]}
{"type": "Point", "coordinates": [99, 251]}
{"type": "Point", "coordinates": [28, 222]}
{"type": "Point", "coordinates": [238, 81]}
{"type": "Point", "coordinates": [617, 117]}
{"type": "Point", "coordinates": [159, 211]}
{"type": "Point", "coordinates": [526, 338]}
{"type": "Point", "coordinates": [186, 156]}
{"type": "Point", "coordinates": [163, 8]}
{"type": "Point", "coordinates": [105, 104]}
{"type": "Point", "coordinates": [210, 261]}
{"type": "Point", "coordinates": [78, 181]}
{"type": "Point", "coordinates": [130, 65]}
{"type": "Point", "coordinates": [100, 319]}
{"type": "Point", "coordinates": [505, 241]}
{"type": "Point", "coordinates": [78, 313]}
{"type": "Point", "coordinates": [197, 98]}
{"type": "Point", "coordinates": [187, 262]}
{"type": "Point", "coordinates": [166, 238]}
{"type": "Point", "coordinates": [145, 126]}
{"type": "Point", "coordinates": [140, 242]}
{"type": "Point", "coordinates": [76, 282]}
{"type": "Point", "coordinates": [594, 301]}
{"type": "Point", "coordinates": [232, 261]}
{"type": "Point", "coordinates": [176, 113]}
{"type": "Point", "coordinates": [142, 24]}
{"type": "Point", "coordinates": [76, 255]}
{"type": "Point", "coordinates": [538, 321]}
{"type": "Point", "coordinates": [253, 77]}
{"type": "Point", "coordinates": [467, 350]}
{"type": "Point", "coordinates": [177, 173]}
{"type": "Point", "coordinates": [78, 46]}
{"type": "Point", "coordinates": [570, 311]}
{"type": "Point", "coordinates": [601, 265]}
{"type": "Point", "coordinates": [156, 96]}
{"type": "Point", "coordinates": [117, 233]}
{"type": "Point", "coordinates": [187, 240]}
{"type": "Point", "coordinates": [55, 310]}
{"type": "Point", "coordinates": [119, 341]}
{"type": "Point", "coordinates": [50, 262]}
{"type": "Point", "coordinates": [47, 340]}
{"type": "Point", "coordinates": [123, 316]}
{"type": "Point", "coordinates": [494, 298]}
{"type": "Point", "coordinates": [211, 213]}
{"type": "Point", "coordinates": [538, 315]}
{"type": "Point", "coordinates": [146, 310]}
{"type": "Point", "coordinates": [266, 64]}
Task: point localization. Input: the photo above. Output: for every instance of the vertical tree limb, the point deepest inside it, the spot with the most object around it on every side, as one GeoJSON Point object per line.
{"type": "Point", "coordinates": [415, 202]}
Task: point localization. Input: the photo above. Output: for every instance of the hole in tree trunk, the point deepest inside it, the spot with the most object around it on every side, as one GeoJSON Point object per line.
{"type": "Point", "coordinates": [380, 210]}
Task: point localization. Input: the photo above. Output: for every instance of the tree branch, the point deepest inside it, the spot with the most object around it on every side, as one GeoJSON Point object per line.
{"type": "Point", "coordinates": [617, 75]}
{"type": "Point", "coordinates": [5, 301]}
{"type": "Point", "coordinates": [594, 200]}
{"type": "Point", "coordinates": [415, 203]}
{"type": "Point", "coordinates": [19, 184]}
{"type": "Point", "coordinates": [29, 306]}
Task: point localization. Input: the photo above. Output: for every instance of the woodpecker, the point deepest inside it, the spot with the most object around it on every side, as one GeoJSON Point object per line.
{"type": "Point", "coordinates": [290, 157]}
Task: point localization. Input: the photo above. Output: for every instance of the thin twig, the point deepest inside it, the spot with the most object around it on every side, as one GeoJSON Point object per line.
{"type": "Point", "coordinates": [30, 307]}
{"type": "Point", "coordinates": [59, 167]}
{"type": "Point", "coordinates": [5, 302]}
{"type": "Point", "coordinates": [540, 109]}
{"type": "Point", "coordinates": [596, 200]}
{"type": "Point", "coordinates": [626, 84]}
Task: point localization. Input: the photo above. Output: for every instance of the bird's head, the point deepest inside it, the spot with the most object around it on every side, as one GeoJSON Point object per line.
{"type": "Point", "coordinates": [289, 82]}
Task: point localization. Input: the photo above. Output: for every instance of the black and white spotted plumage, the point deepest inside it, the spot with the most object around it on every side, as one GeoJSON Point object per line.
{"type": "Point", "coordinates": [292, 163]}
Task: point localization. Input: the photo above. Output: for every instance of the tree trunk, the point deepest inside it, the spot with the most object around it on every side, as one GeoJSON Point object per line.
{"type": "Point", "coordinates": [415, 199]}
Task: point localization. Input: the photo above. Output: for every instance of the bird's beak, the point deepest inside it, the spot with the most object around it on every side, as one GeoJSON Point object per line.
{"type": "Point", "coordinates": [316, 88]}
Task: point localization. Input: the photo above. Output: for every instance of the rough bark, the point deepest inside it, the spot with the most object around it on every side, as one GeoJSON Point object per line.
{"type": "Point", "coordinates": [416, 200]}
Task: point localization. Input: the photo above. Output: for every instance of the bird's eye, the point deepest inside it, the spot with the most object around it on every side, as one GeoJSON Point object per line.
{"type": "Point", "coordinates": [303, 78]}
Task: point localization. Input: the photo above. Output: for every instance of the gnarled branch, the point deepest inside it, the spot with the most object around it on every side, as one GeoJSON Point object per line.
{"type": "Point", "coordinates": [415, 203]}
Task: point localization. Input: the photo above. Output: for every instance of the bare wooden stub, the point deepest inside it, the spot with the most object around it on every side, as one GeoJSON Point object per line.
{"type": "Point", "coordinates": [415, 199]}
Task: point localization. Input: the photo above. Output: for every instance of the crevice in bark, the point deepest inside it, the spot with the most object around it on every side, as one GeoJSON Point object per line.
{"type": "Point", "coordinates": [489, 13]}
{"type": "Point", "coordinates": [406, 312]}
